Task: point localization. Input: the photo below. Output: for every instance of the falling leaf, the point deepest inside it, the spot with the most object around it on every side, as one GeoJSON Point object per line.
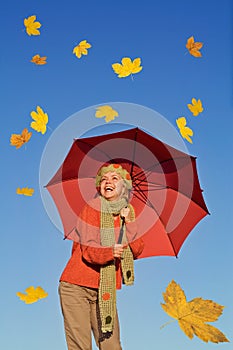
{"type": "Point", "coordinates": [81, 48]}
{"type": "Point", "coordinates": [127, 67]}
{"type": "Point", "coordinates": [32, 26]}
{"type": "Point", "coordinates": [194, 47]}
{"type": "Point", "coordinates": [185, 131]}
{"type": "Point", "coordinates": [25, 191]}
{"type": "Point", "coordinates": [40, 120]}
{"type": "Point", "coordinates": [18, 140]}
{"type": "Point", "coordinates": [195, 107]}
{"type": "Point", "coordinates": [193, 315]}
{"type": "Point", "coordinates": [106, 111]}
{"type": "Point", "coordinates": [32, 294]}
{"type": "Point", "coordinates": [37, 59]}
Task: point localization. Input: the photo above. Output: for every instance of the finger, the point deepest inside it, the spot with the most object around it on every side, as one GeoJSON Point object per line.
{"type": "Point", "coordinates": [118, 245]}
{"type": "Point", "coordinates": [118, 250]}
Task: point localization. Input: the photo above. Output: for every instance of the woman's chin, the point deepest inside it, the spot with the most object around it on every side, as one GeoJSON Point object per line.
{"type": "Point", "coordinates": [111, 197]}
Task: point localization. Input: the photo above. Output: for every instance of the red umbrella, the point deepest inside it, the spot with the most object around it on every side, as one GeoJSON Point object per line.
{"type": "Point", "coordinates": [166, 194]}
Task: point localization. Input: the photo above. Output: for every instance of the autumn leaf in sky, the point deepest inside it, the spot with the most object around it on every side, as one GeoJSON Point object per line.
{"type": "Point", "coordinates": [185, 131]}
{"type": "Point", "coordinates": [25, 191]}
{"type": "Point", "coordinates": [32, 294]}
{"type": "Point", "coordinates": [193, 315]}
{"type": "Point", "coordinates": [106, 111]}
{"type": "Point", "coordinates": [18, 140]}
{"type": "Point", "coordinates": [81, 48]}
{"type": "Point", "coordinates": [32, 27]}
{"type": "Point", "coordinates": [194, 47]}
{"type": "Point", "coordinates": [195, 107]}
{"type": "Point", "coordinates": [40, 120]}
{"type": "Point", "coordinates": [127, 67]}
{"type": "Point", "coordinates": [39, 60]}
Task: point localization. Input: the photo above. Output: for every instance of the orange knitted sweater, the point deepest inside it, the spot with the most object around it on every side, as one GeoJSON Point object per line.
{"type": "Point", "coordinates": [83, 267]}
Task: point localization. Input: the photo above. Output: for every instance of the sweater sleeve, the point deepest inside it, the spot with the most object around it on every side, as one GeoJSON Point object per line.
{"type": "Point", "coordinates": [97, 256]}
{"type": "Point", "coordinates": [137, 247]}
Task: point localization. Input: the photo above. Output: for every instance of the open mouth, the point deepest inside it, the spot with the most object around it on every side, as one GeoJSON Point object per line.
{"type": "Point", "coordinates": [108, 189]}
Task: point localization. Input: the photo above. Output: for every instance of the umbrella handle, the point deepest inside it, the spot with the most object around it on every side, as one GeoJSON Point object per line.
{"type": "Point", "coordinates": [121, 230]}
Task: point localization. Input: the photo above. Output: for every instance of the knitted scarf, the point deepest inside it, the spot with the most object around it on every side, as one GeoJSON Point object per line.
{"type": "Point", "coordinates": [107, 288]}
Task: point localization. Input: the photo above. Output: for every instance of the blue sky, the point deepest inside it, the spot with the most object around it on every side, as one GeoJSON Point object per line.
{"type": "Point", "coordinates": [32, 249]}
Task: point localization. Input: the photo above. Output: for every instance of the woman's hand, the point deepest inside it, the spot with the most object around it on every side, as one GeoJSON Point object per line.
{"type": "Point", "coordinates": [118, 250]}
{"type": "Point", "coordinates": [125, 212]}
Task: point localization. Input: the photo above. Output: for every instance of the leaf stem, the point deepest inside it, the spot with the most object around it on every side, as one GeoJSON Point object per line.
{"type": "Point", "coordinates": [49, 128]}
{"type": "Point", "coordinates": [165, 324]}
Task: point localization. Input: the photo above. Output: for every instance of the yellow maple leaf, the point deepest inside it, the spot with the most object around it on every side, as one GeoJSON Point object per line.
{"type": "Point", "coordinates": [106, 111]}
{"type": "Point", "coordinates": [185, 131]}
{"type": "Point", "coordinates": [127, 67]}
{"type": "Point", "coordinates": [25, 191]}
{"type": "Point", "coordinates": [193, 315]}
{"type": "Point", "coordinates": [18, 140]}
{"type": "Point", "coordinates": [32, 294]}
{"type": "Point", "coordinates": [40, 120]}
{"type": "Point", "coordinates": [194, 47]}
{"type": "Point", "coordinates": [32, 26]}
{"type": "Point", "coordinates": [39, 60]}
{"type": "Point", "coordinates": [81, 48]}
{"type": "Point", "coordinates": [195, 107]}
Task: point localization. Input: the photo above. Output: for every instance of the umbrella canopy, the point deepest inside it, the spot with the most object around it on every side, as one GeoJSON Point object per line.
{"type": "Point", "coordinates": [166, 194]}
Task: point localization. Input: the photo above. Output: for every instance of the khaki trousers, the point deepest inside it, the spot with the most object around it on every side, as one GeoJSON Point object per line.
{"type": "Point", "coordinates": [80, 312]}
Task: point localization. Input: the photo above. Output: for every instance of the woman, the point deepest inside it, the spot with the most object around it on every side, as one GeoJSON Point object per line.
{"type": "Point", "coordinates": [99, 264]}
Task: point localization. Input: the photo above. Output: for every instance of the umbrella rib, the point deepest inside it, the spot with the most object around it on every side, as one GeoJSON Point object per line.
{"type": "Point", "coordinates": [152, 189]}
{"type": "Point", "coordinates": [156, 184]}
{"type": "Point", "coordinates": [168, 187]}
{"type": "Point", "coordinates": [190, 198]}
{"type": "Point", "coordinates": [96, 147]}
{"type": "Point", "coordinates": [176, 190]}
{"type": "Point", "coordinates": [176, 254]}
{"type": "Point", "coordinates": [154, 165]}
{"type": "Point", "coordinates": [64, 180]}
{"type": "Point", "coordinates": [141, 196]}
{"type": "Point", "coordinates": [67, 235]}
{"type": "Point", "coordinates": [151, 206]}
{"type": "Point", "coordinates": [144, 198]}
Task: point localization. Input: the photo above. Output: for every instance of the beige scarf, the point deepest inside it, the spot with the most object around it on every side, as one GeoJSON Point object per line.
{"type": "Point", "coordinates": [107, 288]}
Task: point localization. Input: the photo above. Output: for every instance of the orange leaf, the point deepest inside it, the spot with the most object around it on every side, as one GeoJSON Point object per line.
{"type": "Point", "coordinates": [194, 47]}
{"type": "Point", "coordinates": [25, 191]}
{"type": "Point", "coordinates": [37, 59]}
{"type": "Point", "coordinates": [32, 294]}
{"type": "Point", "coordinates": [18, 140]}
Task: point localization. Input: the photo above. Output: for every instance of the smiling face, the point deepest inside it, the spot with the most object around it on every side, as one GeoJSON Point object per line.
{"type": "Point", "coordinates": [111, 186]}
